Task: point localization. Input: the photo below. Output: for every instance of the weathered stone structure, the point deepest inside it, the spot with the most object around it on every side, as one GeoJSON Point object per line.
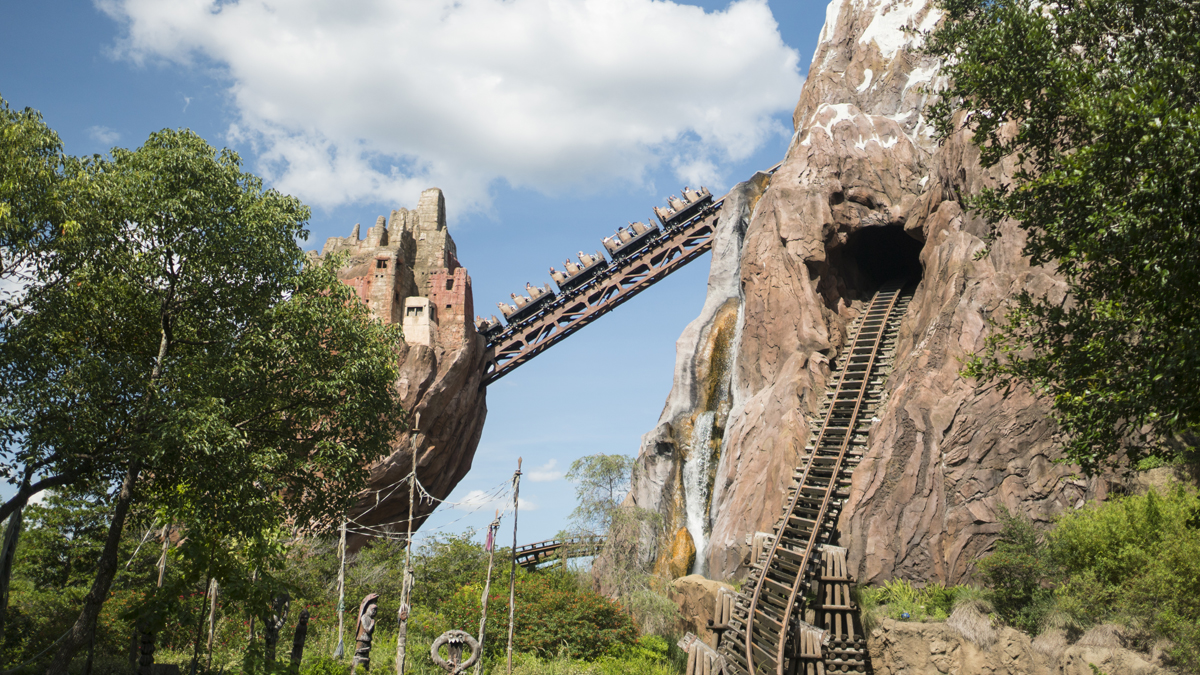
{"type": "Point", "coordinates": [406, 270]}
{"type": "Point", "coordinates": [863, 193]}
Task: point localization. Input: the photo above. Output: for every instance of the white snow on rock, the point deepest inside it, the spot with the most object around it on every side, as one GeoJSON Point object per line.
{"type": "Point", "coordinates": [841, 113]}
{"type": "Point", "coordinates": [867, 74]}
{"type": "Point", "coordinates": [885, 29]}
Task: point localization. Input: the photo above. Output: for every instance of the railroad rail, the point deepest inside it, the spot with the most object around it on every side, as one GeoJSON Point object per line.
{"type": "Point", "coordinates": [557, 316]}
{"type": "Point", "coordinates": [767, 630]}
{"type": "Point", "coordinates": [530, 556]}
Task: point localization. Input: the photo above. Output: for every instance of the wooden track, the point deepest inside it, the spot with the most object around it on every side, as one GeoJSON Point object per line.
{"type": "Point", "coordinates": [767, 634]}
{"type": "Point", "coordinates": [530, 556]}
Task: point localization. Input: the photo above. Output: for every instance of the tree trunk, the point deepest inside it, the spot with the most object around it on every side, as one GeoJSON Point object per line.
{"type": "Point", "coordinates": [81, 633]}
{"type": "Point", "coordinates": [7, 553]}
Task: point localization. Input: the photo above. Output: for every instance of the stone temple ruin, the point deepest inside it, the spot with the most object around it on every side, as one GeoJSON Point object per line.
{"type": "Point", "coordinates": [407, 271]}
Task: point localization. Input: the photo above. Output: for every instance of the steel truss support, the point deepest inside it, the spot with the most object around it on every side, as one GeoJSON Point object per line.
{"type": "Point", "coordinates": [623, 279]}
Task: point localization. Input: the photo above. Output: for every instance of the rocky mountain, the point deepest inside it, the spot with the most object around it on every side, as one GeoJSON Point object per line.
{"type": "Point", "coordinates": [406, 270]}
{"type": "Point", "coordinates": [864, 194]}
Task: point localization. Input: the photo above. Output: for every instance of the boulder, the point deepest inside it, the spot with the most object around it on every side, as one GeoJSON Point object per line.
{"type": "Point", "coordinates": [696, 596]}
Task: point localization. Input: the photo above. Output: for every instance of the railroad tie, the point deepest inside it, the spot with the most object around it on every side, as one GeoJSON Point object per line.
{"type": "Point", "coordinates": [765, 632]}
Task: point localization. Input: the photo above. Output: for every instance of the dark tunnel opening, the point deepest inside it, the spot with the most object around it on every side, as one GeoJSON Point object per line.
{"type": "Point", "coordinates": [883, 253]}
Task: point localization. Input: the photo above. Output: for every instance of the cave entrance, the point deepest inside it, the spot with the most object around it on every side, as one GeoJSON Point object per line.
{"type": "Point", "coordinates": [883, 253]}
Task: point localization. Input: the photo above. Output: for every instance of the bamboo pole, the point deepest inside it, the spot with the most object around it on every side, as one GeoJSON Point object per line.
{"type": "Point", "coordinates": [487, 586]}
{"type": "Point", "coordinates": [340, 650]}
{"type": "Point", "coordinates": [212, 620]}
{"type": "Point", "coordinates": [406, 587]}
{"type": "Point", "coordinates": [512, 575]}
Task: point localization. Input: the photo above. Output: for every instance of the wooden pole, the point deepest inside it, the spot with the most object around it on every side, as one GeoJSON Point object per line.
{"type": "Point", "coordinates": [340, 650]}
{"type": "Point", "coordinates": [145, 639]}
{"type": "Point", "coordinates": [253, 578]}
{"type": "Point", "coordinates": [487, 585]}
{"type": "Point", "coordinates": [512, 575]}
{"type": "Point", "coordinates": [406, 587]}
{"type": "Point", "coordinates": [212, 620]}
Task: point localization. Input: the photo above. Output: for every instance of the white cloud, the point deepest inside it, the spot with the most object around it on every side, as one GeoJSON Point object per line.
{"type": "Point", "coordinates": [545, 473]}
{"type": "Point", "coordinates": [378, 99]}
{"type": "Point", "coordinates": [103, 135]}
{"type": "Point", "coordinates": [478, 499]}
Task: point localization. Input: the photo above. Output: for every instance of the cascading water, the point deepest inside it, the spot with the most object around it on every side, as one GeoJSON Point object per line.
{"type": "Point", "coordinates": [696, 486]}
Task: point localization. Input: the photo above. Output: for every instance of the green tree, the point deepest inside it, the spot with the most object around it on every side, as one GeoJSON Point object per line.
{"type": "Point", "coordinates": [34, 174]}
{"type": "Point", "coordinates": [622, 569]}
{"type": "Point", "coordinates": [194, 361]}
{"type": "Point", "coordinates": [601, 484]}
{"type": "Point", "coordinates": [1095, 104]}
{"type": "Point", "coordinates": [1018, 572]}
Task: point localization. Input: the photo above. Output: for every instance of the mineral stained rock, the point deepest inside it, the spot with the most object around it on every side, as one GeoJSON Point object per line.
{"type": "Point", "coordinates": [407, 270]}
{"type": "Point", "coordinates": [864, 193]}
{"type": "Point", "coordinates": [696, 596]}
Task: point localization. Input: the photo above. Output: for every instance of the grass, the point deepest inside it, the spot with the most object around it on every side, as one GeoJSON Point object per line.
{"type": "Point", "coordinates": [651, 656]}
{"type": "Point", "coordinates": [899, 599]}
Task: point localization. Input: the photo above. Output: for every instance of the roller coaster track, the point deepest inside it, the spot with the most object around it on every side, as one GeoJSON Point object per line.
{"type": "Point", "coordinates": [767, 632]}
{"type": "Point", "coordinates": [676, 245]}
{"type": "Point", "coordinates": [530, 556]}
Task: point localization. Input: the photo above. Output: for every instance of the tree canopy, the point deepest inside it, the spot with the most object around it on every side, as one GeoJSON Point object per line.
{"type": "Point", "coordinates": [1096, 104]}
{"type": "Point", "coordinates": [174, 348]}
{"type": "Point", "coordinates": [601, 484]}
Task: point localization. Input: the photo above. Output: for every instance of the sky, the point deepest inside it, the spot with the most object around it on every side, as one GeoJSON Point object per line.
{"type": "Point", "coordinates": [548, 124]}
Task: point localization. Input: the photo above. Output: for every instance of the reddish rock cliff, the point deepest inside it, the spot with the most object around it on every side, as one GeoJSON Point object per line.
{"type": "Point", "coordinates": [863, 194]}
{"type": "Point", "coordinates": [407, 270]}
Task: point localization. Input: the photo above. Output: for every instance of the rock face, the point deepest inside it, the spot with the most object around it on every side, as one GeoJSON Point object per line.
{"type": "Point", "coordinates": [864, 194]}
{"type": "Point", "coordinates": [407, 270]}
{"type": "Point", "coordinates": [696, 596]}
{"type": "Point", "coordinates": [900, 648]}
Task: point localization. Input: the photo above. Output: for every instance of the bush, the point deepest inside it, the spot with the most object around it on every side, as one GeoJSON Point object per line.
{"type": "Point", "coordinates": [1017, 574]}
{"type": "Point", "coordinates": [554, 615]}
{"type": "Point", "coordinates": [1133, 560]}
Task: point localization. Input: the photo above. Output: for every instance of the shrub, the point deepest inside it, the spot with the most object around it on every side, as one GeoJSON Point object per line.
{"type": "Point", "coordinates": [554, 614]}
{"type": "Point", "coordinates": [1133, 560]}
{"type": "Point", "coordinates": [1017, 574]}
{"type": "Point", "coordinates": [899, 599]}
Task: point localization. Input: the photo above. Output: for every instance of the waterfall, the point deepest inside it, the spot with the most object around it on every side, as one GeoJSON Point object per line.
{"type": "Point", "coordinates": [696, 487]}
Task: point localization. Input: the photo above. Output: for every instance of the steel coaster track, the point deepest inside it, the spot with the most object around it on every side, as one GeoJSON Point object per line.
{"type": "Point", "coordinates": [677, 245]}
{"type": "Point", "coordinates": [764, 623]}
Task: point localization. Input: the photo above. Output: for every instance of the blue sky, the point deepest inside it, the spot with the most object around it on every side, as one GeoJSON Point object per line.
{"type": "Point", "coordinates": [548, 124]}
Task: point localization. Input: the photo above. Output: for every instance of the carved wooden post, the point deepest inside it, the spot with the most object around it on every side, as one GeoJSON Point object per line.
{"type": "Point", "coordinates": [278, 619]}
{"type": "Point", "coordinates": [298, 641]}
{"type": "Point", "coordinates": [364, 632]}
{"type": "Point", "coordinates": [146, 652]}
{"type": "Point", "coordinates": [454, 641]}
